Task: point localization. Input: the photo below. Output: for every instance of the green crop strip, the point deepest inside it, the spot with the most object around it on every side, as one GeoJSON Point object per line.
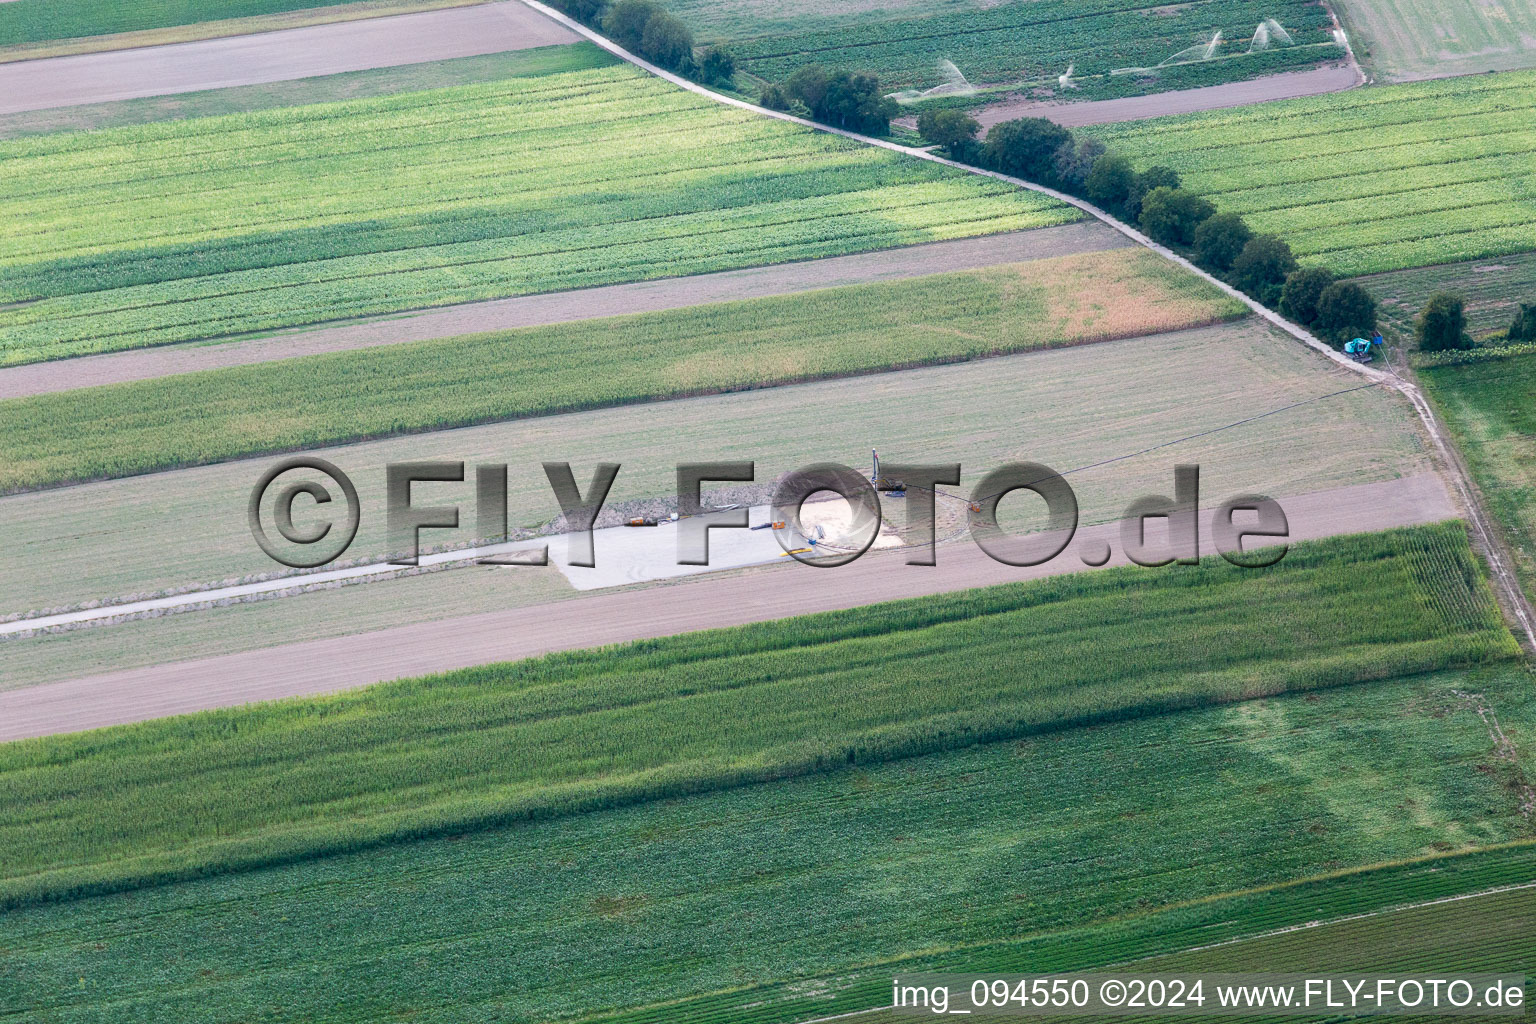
{"type": "Point", "coordinates": [226, 790]}
{"type": "Point", "coordinates": [220, 414]}
{"type": "Point", "coordinates": [1487, 404]}
{"type": "Point", "coordinates": [1367, 181]}
{"type": "Point", "coordinates": [1002, 857]}
{"type": "Point", "coordinates": [1014, 42]}
{"type": "Point", "coordinates": [219, 226]}
{"type": "Point", "coordinates": [240, 99]}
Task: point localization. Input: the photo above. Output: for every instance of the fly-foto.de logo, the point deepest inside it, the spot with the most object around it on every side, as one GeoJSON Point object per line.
{"type": "Point", "coordinates": [332, 513]}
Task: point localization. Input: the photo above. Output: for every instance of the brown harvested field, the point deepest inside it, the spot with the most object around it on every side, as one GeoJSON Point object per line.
{"type": "Point", "coordinates": [1066, 408]}
{"type": "Point", "coordinates": [557, 307]}
{"type": "Point", "coordinates": [275, 56]}
{"type": "Point", "coordinates": [704, 602]}
{"type": "Point", "coordinates": [1285, 86]}
{"type": "Point", "coordinates": [219, 29]}
{"type": "Point", "coordinates": [54, 440]}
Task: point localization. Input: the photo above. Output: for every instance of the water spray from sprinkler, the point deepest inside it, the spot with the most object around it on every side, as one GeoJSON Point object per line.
{"type": "Point", "coordinates": [953, 84]}
{"type": "Point", "coordinates": [1201, 51]}
{"type": "Point", "coordinates": [1268, 32]}
{"type": "Point", "coordinates": [1065, 81]}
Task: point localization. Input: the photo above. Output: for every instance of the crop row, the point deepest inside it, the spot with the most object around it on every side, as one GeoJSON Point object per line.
{"type": "Point", "coordinates": [1385, 179]}
{"type": "Point", "coordinates": [1487, 405]}
{"type": "Point", "coordinates": [1318, 908]}
{"type": "Point", "coordinates": [1356, 151]}
{"type": "Point", "coordinates": [207, 417]}
{"type": "Point", "coordinates": [481, 179]}
{"type": "Point", "coordinates": [438, 275]}
{"type": "Point", "coordinates": [1013, 41]}
{"type": "Point", "coordinates": [799, 877]}
{"type": "Point", "coordinates": [1399, 104]}
{"type": "Point", "coordinates": [578, 731]}
{"type": "Point", "coordinates": [481, 197]}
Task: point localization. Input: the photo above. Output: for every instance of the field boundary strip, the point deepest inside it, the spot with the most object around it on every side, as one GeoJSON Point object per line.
{"type": "Point", "coordinates": [1512, 597]}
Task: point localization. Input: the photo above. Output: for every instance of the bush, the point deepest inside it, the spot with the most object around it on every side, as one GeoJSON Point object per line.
{"type": "Point", "coordinates": [1261, 268]}
{"type": "Point", "coordinates": [1110, 182]}
{"type": "Point", "coordinates": [1344, 311]}
{"type": "Point", "coordinates": [843, 99]}
{"type": "Point", "coordinates": [1524, 327]}
{"type": "Point", "coordinates": [1220, 240]}
{"type": "Point", "coordinates": [667, 42]}
{"type": "Point", "coordinates": [1149, 179]}
{"type": "Point", "coordinates": [809, 86]}
{"type": "Point", "coordinates": [1025, 148]}
{"type": "Point", "coordinates": [1443, 324]}
{"type": "Point", "coordinates": [1074, 162]}
{"type": "Point", "coordinates": [718, 66]}
{"type": "Point", "coordinates": [951, 130]}
{"type": "Point", "coordinates": [775, 98]}
{"type": "Point", "coordinates": [588, 12]}
{"type": "Point", "coordinates": [853, 101]}
{"type": "Point", "coordinates": [1298, 299]}
{"type": "Point", "coordinates": [1171, 215]}
{"type": "Point", "coordinates": [626, 20]}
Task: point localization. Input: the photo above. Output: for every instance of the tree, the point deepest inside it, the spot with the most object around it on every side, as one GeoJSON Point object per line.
{"type": "Point", "coordinates": [1443, 324]}
{"type": "Point", "coordinates": [668, 42]}
{"type": "Point", "coordinates": [953, 130]}
{"type": "Point", "coordinates": [809, 86]}
{"type": "Point", "coordinates": [1298, 299]}
{"type": "Point", "coordinates": [1025, 148]}
{"type": "Point", "coordinates": [1171, 215]}
{"type": "Point", "coordinates": [1262, 267]}
{"type": "Point", "coordinates": [1149, 179]}
{"type": "Point", "coordinates": [718, 66]}
{"type": "Point", "coordinates": [1524, 327]}
{"type": "Point", "coordinates": [1074, 161]}
{"type": "Point", "coordinates": [1109, 183]}
{"type": "Point", "coordinates": [1344, 311]}
{"type": "Point", "coordinates": [1220, 240]}
{"type": "Point", "coordinates": [626, 20]}
{"type": "Point", "coordinates": [588, 12]}
{"type": "Point", "coordinates": [853, 101]}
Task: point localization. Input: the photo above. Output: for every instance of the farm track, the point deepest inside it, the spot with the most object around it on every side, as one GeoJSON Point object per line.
{"type": "Point", "coordinates": [1500, 562]}
{"type": "Point", "coordinates": [559, 307]}
{"type": "Point", "coordinates": [1289, 85]}
{"type": "Point", "coordinates": [705, 602]}
{"type": "Point", "coordinates": [273, 56]}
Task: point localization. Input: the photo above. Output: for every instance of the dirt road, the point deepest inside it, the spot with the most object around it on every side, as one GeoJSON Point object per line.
{"type": "Point", "coordinates": [274, 56]}
{"type": "Point", "coordinates": [555, 307]}
{"type": "Point", "coordinates": [706, 602]}
{"type": "Point", "coordinates": [1184, 101]}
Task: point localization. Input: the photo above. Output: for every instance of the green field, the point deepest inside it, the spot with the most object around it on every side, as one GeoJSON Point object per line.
{"type": "Point", "coordinates": [1484, 932]}
{"type": "Point", "coordinates": [244, 99]}
{"type": "Point", "coordinates": [1009, 42]}
{"type": "Point", "coordinates": [108, 539]}
{"type": "Point", "coordinates": [1408, 39]}
{"type": "Point", "coordinates": [1370, 180]}
{"type": "Point", "coordinates": [1487, 404]}
{"type": "Point", "coordinates": [969, 860]}
{"type": "Point", "coordinates": [225, 790]}
{"type": "Point", "coordinates": [205, 417]}
{"type": "Point", "coordinates": [218, 226]}
{"type": "Point", "coordinates": [1493, 290]}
